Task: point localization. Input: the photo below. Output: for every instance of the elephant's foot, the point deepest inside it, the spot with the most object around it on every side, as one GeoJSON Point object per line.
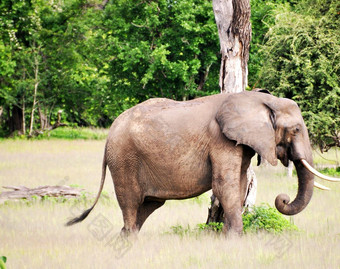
{"type": "Point", "coordinates": [130, 233]}
{"type": "Point", "coordinates": [233, 226]}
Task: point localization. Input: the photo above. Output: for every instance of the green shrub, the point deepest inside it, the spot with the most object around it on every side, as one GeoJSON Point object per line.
{"type": "Point", "coordinates": [266, 218]}
{"type": "Point", "coordinates": [211, 226]}
{"type": "Point", "coordinates": [331, 171]}
{"type": "Point", "coordinates": [215, 227]}
{"type": "Point", "coordinates": [335, 172]}
{"type": "Point", "coordinates": [181, 231]}
{"type": "Point", "coordinates": [261, 218]}
{"type": "Point", "coordinates": [3, 260]}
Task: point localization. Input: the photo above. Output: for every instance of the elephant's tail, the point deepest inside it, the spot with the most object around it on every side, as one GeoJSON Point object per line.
{"type": "Point", "coordinates": [87, 212]}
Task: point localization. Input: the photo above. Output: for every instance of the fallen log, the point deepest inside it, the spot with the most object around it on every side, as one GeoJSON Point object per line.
{"type": "Point", "coordinates": [22, 192]}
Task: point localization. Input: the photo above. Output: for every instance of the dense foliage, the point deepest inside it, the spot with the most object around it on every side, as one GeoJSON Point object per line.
{"type": "Point", "coordinates": [302, 61]}
{"type": "Point", "coordinates": [93, 61]}
{"type": "Point", "coordinates": [266, 218]}
{"type": "Point", "coordinates": [3, 260]}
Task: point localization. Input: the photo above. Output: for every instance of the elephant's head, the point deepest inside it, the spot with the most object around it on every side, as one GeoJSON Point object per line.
{"type": "Point", "coordinates": [275, 129]}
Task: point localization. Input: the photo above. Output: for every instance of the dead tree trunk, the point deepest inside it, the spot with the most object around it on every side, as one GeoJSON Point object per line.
{"type": "Point", "coordinates": [44, 123]}
{"type": "Point", "coordinates": [234, 30]}
{"type": "Point", "coordinates": [36, 85]}
{"type": "Point", "coordinates": [22, 192]}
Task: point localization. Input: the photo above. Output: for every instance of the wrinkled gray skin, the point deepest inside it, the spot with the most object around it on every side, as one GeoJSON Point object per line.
{"type": "Point", "coordinates": [163, 149]}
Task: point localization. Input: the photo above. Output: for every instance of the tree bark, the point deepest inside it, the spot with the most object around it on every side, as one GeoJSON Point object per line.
{"type": "Point", "coordinates": [203, 78]}
{"type": "Point", "coordinates": [290, 169]}
{"type": "Point", "coordinates": [22, 192]}
{"type": "Point", "coordinates": [44, 123]}
{"type": "Point", "coordinates": [234, 30]}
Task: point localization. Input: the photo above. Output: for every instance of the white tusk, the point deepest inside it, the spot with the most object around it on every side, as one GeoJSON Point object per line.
{"type": "Point", "coordinates": [318, 174]}
{"type": "Point", "coordinates": [321, 187]}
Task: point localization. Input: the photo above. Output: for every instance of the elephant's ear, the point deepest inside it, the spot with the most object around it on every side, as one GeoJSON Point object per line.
{"type": "Point", "coordinates": [246, 119]}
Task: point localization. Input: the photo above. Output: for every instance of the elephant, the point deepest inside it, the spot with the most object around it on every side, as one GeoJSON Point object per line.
{"type": "Point", "coordinates": [163, 149]}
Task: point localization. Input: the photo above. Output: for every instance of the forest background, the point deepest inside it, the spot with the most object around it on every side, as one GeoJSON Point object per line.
{"type": "Point", "coordinates": [94, 59]}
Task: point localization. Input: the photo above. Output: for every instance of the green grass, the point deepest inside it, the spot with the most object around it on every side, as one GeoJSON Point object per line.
{"type": "Point", "coordinates": [197, 230]}
{"type": "Point", "coordinates": [335, 172]}
{"type": "Point", "coordinates": [329, 158]}
{"type": "Point", "coordinates": [77, 133]}
{"type": "Point", "coordinates": [68, 133]}
{"type": "Point", "coordinates": [210, 227]}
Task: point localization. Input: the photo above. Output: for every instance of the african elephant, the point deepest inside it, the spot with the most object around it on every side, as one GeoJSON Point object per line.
{"type": "Point", "coordinates": [163, 149]}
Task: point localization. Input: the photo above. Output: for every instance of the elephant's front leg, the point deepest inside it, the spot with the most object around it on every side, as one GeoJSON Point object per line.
{"type": "Point", "coordinates": [227, 192]}
{"type": "Point", "coordinates": [228, 189]}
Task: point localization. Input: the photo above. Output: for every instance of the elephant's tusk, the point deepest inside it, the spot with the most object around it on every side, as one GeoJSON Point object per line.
{"type": "Point", "coordinates": [318, 174]}
{"type": "Point", "coordinates": [321, 187]}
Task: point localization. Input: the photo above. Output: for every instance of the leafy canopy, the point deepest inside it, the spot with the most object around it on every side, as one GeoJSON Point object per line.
{"type": "Point", "coordinates": [94, 63]}
{"type": "Point", "coordinates": [302, 62]}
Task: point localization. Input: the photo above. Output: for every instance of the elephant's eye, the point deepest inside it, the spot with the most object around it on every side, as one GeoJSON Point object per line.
{"type": "Point", "coordinates": [296, 130]}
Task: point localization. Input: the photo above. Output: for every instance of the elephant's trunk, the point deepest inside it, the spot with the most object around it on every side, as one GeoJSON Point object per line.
{"type": "Point", "coordinates": [305, 192]}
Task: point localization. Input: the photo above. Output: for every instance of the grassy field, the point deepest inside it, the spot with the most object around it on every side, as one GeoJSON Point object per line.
{"type": "Point", "coordinates": [33, 235]}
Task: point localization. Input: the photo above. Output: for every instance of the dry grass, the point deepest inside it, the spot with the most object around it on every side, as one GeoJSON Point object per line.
{"type": "Point", "coordinates": [34, 236]}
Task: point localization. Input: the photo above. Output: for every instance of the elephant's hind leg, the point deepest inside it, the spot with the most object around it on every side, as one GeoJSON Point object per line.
{"type": "Point", "coordinates": [145, 210]}
{"type": "Point", "coordinates": [124, 172]}
{"type": "Point", "coordinates": [130, 221]}
{"type": "Point", "coordinates": [129, 198]}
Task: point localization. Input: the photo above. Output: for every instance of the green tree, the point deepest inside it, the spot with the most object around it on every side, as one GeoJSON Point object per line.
{"type": "Point", "coordinates": [161, 48]}
{"type": "Point", "coordinates": [261, 20]}
{"type": "Point", "coordinates": [47, 70]}
{"type": "Point", "coordinates": [15, 20]}
{"type": "Point", "coordinates": [94, 62]}
{"type": "Point", "coordinates": [94, 59]}
{"type": "Point", "coordinates": [302, 62]}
